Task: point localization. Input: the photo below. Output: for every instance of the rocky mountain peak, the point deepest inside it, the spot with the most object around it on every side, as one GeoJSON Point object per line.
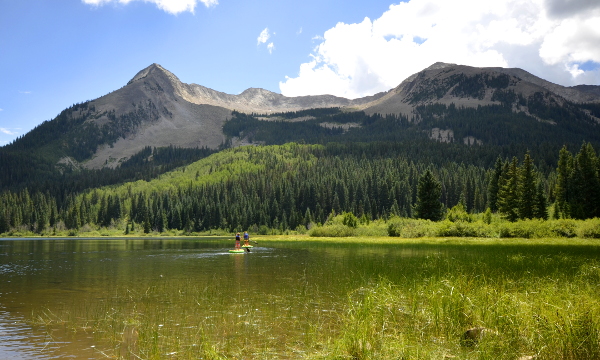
{"type": "Point", "coordinates": [154, 70]}
{"type": "Point", "coordinates": [438, 65]}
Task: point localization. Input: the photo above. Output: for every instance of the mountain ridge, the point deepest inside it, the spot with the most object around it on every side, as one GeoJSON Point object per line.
{"type": "Point", "coordinates": [155, 108]}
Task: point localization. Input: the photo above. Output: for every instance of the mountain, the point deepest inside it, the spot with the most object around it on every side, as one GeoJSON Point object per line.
{"type": "Point", "coordinates": [186, 115]}
{"type": "Point", "coordinates": [155, 109]}
{"type": "Point", "coordinates": [468, 86]}
{"type": "Point", "coordinates": [156, 122]}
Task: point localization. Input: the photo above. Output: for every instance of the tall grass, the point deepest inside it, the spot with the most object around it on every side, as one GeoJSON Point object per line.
{"type": "Point", "coordinates": [531, 305]}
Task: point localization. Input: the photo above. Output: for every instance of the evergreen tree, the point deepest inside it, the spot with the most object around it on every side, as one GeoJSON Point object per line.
{"type": "Point", "coordinates": [586, 184]}
{"type": "Point", "coordinates": [526, 189]}
{"type": "Point", "coordinates": [561, 191]}
{"type": "Point", "coordinates": [429, 191]}
{"type": "Point", "coordinates": [541, 205]}
{"type": "Point", "coordinates": [508, 201]}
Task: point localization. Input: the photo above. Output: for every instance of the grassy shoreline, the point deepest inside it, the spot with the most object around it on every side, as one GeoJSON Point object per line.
{"type": "Point", "coordinates": [574, 241]}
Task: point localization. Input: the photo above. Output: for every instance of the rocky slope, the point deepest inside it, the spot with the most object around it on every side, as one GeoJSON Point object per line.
{"type": "Point", "coordinates": [156, 109]}
{"type": "Point", "coordinates": [188, 115]}
{"type": "Point", "coordinates": [471, 87]}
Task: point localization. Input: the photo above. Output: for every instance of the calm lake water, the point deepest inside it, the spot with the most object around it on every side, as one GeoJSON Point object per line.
{"type": "Point", "coordinates": [168, 298]}
{"type": "Point", "coordinates": [269, 296]}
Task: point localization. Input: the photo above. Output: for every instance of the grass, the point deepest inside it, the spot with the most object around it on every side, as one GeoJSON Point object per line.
{"type": "Point", "coordinates": [541, 303]}
{"type": "Point", "coordinates": [538, 298]}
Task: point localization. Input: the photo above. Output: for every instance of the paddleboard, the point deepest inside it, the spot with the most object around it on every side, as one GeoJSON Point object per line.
{"type": "Point", "coordinates": [237, 251]}
{"type": "Point", "coordinates": [248, 246]}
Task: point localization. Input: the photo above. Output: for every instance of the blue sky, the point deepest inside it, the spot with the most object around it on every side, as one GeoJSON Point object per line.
{"type": "Point", "coordinates": [56, 53]}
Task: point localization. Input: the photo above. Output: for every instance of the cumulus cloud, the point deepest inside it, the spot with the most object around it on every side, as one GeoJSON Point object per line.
{"type": "Point", "coordinates": [263, 37]}
{"type": "Point", "coordinates": [170, 6]}
{"type": "Point", "coordinates": [354, 60]}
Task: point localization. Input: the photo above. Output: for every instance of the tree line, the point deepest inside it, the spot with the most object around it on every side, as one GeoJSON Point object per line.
{"type": "Point", "coordinates": [293, 185]}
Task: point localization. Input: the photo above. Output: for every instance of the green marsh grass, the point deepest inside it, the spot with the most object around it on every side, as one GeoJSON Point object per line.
{"type": "Point", "coordinates": [537, 301]}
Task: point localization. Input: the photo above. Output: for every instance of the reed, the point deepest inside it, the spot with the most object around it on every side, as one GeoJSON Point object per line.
{"type": "Point", "coordinates": [525, 306]}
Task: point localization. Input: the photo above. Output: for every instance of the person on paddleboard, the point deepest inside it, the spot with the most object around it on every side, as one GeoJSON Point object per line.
{"type": "Point", "coordinates": [246, 238]}
{"type": "Point", "coordinates": [237, 240]}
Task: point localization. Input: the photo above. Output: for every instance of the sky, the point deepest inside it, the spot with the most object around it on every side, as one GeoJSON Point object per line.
{"type": "Point", "coordinates": [54, 54]}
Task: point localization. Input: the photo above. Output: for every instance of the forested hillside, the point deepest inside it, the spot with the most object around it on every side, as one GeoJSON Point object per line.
{"type": "Point", "coordinates": [293, 186]}
{"type": "Point", "coordinates": [487, 138]}
{"type": "Point", "coordinates": [494, 130]}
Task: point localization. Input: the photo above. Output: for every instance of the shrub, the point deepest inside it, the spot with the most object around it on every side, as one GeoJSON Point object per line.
{"type": "Point", "coordinates": [563, 227]}
{"type": "Point", "coordinates": [458, 213]}
{"type": "Point", "coordinates": [334, 230]}
{"type": "Point", "coordinates": [411, 228]}
{"type": "Point", "coordinates": [487, 216]}
{"type": "Point", "coordinates": [263, 230]}
{"type": "Point", "coordinates": [376, 228]}
{"type": "Point", "coordinates": [350, 220]}
{"type": "Point", "coordinates": [301, 229]}
{"type": "Point", "coordinates": [589, 229]}
{"type": "Point", "coordinates": [523, 229]}
{"type": "Point", "coordinates": [464, 229]}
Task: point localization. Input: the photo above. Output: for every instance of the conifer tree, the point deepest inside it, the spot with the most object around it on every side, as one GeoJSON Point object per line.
{"type": "Point", "coordinates": [561, 191]}
{"type": "Point", "coordinates": [586, 183]}
{"type": "Point", "coordinates": [541, 205]}
{"type": "Point", "coordinates": [500, 171]}
{"type": "Point", "coordinates": [429, 191]}
{"type": "Point", "coordinates": [526, 188]}
{"type": "Point", "coordinates": [508, 201]}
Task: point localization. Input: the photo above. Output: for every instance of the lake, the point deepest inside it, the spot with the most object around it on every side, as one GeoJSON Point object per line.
{"type": "Point", "coordinates": [268, 296]}
{"type": "Point", "coordinates": [188, 298]}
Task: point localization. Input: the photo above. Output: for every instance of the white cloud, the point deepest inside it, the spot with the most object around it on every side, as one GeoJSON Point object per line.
{"type": "Point", "coordinates": [263, 37]}
{"type": "Point", "coordinates": [354, 60]}
{"type": "Point", "coordinates": [170, 6]}
{"type": "Point", "coordinates": [7, 131]}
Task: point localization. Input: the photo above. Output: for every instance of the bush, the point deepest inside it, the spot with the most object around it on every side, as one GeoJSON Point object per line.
{"type": "Point", "coordinates": [376, 228]}
{"type": "Point", "coordinates": [301, 229]}
{"type": "Point", "coordinates": [563, 227]}
{"type": "Point", "coordinates": [458, 213]}
{"type": "Point", "coordinates": [334, 230]}
{"type": "Point", "coordinates": [411, 228]}
{"type": "Point", "coordinates": [487, 216]}
{"type": "Point", "coordinates": [465, 229]}
{"type": "Point", "coordinates": [523, 229]}
{"type": "Point", "coordinates": [535, 228]}
{"type": "Point", "coordinates": [263, 230]}
{"type": "Point", "coordinates": [589, 229]}
{"type": "Point", "coordinates": [350, 220]}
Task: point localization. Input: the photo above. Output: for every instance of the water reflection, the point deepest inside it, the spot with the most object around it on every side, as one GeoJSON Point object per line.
{"type": "Point", "coordinates": [268, 297]}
